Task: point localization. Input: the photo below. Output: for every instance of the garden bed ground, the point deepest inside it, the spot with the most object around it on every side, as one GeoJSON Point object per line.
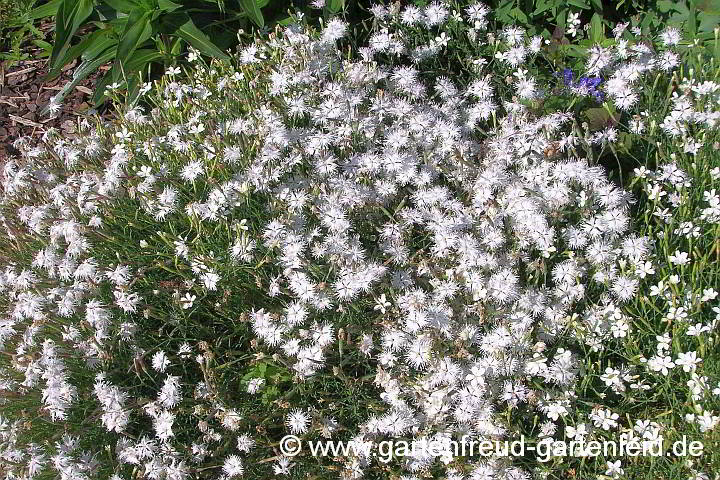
{"type": "Point", "coordinates": [25, 91]}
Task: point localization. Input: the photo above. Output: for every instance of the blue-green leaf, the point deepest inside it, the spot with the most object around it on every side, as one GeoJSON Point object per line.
{"type": "Point", "coordinates": [83, 70]}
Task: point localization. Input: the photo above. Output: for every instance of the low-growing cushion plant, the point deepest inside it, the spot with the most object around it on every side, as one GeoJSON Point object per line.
{"type": "Point", "coordinates": [355, 245]}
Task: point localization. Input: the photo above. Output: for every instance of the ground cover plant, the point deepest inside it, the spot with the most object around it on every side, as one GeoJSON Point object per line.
{"type": "Point", "coordinates": [453, 229]}
{"type": "Point", "coordinates": [140, 37]}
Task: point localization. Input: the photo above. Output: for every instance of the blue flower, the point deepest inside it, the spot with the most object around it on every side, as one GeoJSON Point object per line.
{"type": "Point", "coordinates": [587, 85]}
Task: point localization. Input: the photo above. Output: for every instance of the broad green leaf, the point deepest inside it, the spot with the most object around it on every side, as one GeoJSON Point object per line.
{"type": "Point", "coordinates": [270, 394]}
{"type": "Point", "coordinates": [506, 5]}
{"type": "Point", "coordinates": [626, 140]}
{"type": "Point", "coordinates": [542, 5]}
{"type": "Point", "coordinates": [70, 15]}
{"type": "Point", "coordinates": [250, 7]}
{"type": "Point", "coordinates": [286, 21]}
{"type": "Point", "coordinates": [102, 43]}
{"type": "Point", "coordinates": [518, 15]}
{"type": "Point", "coordinates": [47, 10]}
{"type": "Point", "coordinates": [576, 51]}
{"type": "Point", "coordinates": [647, 20]}
{"type": "Point", "coordinates": [579, 4]}
{"type": "Point", "coordinates": [90, 46]}
{"type": "Point", "coordinates": [336, 5]}
{"type": "Point", "coordinates": [597, 31]}
{"type": "Point", "coordinates": [191, 34]}
{"type": "Point", "coordinates": [168, 6]}
{"type": "Point", "coordinates": [139, 60]}
{"type": "Point", "coordinates": [124, 6]}
{"type": "Point", "coordinates": [666, 6]}
{"type": "Point", "coordinates": [597, 5]}
{"type": "Point", "coordinates": [502, 12]}
{"type": "Point", "coordinates": [137, 31]}
{"type": "Point", "coordinates": [561, 24]}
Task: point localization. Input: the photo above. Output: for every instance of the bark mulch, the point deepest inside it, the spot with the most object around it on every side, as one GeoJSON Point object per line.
{"type": "Point", "coordinates": [24, 92]}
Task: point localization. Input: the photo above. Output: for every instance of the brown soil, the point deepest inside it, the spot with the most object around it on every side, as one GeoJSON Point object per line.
{"type": "Point", "coordinates": [25, 91]}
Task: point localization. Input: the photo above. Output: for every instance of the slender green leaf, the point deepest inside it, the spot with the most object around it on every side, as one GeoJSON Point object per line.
{"type": "Point", "coordinates": [102, 43]}
{"type": "Point", "coordinates": [176, 46]}
{"type": "Point", "coordinates": [47, 48]}
{"type": "Point", "coordinates": [597, 31]}
{"type": "Point", "coordinates": [692, 20]}
{"type": "Point", "coordinates": [133, 89]}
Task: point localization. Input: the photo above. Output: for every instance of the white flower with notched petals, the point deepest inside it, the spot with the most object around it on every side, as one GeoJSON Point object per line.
{"type": "Point", "coordinates": [679, 258]}
{"type": "Point", "coordinates": [297, 421]}
{"type": "Point", "coordinates": [160, 362]}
